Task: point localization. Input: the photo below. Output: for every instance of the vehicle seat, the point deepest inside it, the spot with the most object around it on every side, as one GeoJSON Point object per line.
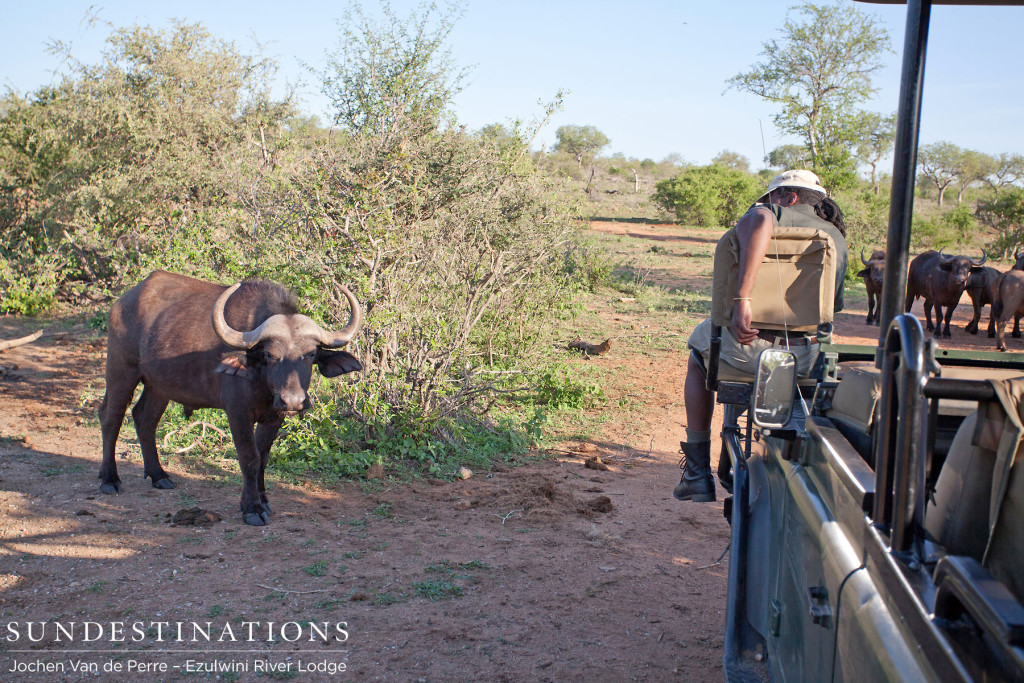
{"type": "Point", "coordinates": [979, 498]}
{"type": "Point", "coordinates": [854, 408]}
{"type": "Point", "coordinates": [957, 516]}
{"type": "Point", "coordinates": [727, 373]}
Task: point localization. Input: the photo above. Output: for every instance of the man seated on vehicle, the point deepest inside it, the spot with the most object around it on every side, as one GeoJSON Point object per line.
{"type": "Point", "coordinates": [794, 198]}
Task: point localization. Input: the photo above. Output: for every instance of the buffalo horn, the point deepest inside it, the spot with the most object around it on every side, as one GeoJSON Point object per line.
{"type": "Point", "coordinates": [984, 257]}
{"type": "Point", "coordinates": [862, 259]}
{"type": "Point", "coordinates": [339, 338]}
{"type": "Point", "coordinates": [944, 257]}
{"type": "Point", "coordinates": [229, 335]}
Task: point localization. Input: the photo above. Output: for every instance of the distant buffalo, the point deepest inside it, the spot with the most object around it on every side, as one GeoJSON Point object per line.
{"type": "Point", "coordinates": [180, 338]}
{"type": "Point", "coordinates": [940, 279]}
{"type": "Point", "coordinates": [983, 289]}
{"type": "Point", "coordinates": [1009, 304]}
{"type": "Point", "coordinates": [874, 270]}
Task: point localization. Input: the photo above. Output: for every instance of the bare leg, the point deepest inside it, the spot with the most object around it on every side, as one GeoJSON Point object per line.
{"type": "Point", "coordinates": [699, 402]}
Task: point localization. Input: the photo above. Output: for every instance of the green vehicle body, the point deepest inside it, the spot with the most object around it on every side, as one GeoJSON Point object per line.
{"type": "Point", "coordinates": [832, 574]}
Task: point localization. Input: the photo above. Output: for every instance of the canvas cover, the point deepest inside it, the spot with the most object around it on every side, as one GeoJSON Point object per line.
{"type": "Point", "coordinates": [794, 285]}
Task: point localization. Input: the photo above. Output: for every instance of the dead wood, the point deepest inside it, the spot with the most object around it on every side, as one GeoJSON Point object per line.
{"type": "Point", "coordinates": [11, 343]}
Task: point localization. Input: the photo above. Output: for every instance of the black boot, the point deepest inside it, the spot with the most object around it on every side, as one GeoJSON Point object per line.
{"type": "Point", "coordinates": [696, 484]}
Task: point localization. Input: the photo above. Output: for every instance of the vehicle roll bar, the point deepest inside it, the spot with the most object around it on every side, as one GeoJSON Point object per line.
{"type": "Point", "coordinates": [899, 481]}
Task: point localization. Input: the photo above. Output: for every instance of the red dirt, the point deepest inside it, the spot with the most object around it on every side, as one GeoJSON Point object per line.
{"type": "Point", "coordinates": [553, 570]}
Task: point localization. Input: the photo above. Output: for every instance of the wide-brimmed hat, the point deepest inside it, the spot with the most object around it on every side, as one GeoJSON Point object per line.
{"type": "Point", "coordinates": [794, 178]}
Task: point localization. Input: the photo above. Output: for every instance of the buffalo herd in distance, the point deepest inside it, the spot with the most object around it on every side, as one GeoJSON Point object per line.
{"type": "Point", "coordinates": [941, 279]}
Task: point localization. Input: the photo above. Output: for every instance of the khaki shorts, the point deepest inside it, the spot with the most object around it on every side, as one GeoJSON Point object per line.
{"type": "Point", "coordinates": [744, 357]}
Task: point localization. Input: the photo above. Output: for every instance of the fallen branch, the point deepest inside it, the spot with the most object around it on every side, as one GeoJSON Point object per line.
{"type": "Point", "coordinates": [285, 590]}
{"type": "Point", "coordinates": [199, 438]}
{"type": "Point", "coordinates": [11, 343]}
{"type": "Point", "coordinates": [504, 518]}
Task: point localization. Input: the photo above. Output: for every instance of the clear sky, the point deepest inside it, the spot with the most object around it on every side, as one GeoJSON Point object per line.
{"type": "Point", "coordinates": [650, 74]}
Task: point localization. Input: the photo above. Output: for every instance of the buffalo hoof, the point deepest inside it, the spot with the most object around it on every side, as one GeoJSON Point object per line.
{"type": "Point", "coordinates": [266, 507]}
{"type": "Point", "coordinates": [877, 322]}
{"type": "Point", "coordinates": [946, 335]}
{"type": "Point", "coordinates": [257, 518]}
{"type": "Point", "coordinates": [112, 487]}
{"type": "Point", "coordinates": [164, 483]}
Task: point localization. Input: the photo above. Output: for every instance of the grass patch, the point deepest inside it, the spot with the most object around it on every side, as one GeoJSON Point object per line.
{"type": "Point", "coordinates": [437, 589]}
{"type": "Point", "coordinates": [317, 568]}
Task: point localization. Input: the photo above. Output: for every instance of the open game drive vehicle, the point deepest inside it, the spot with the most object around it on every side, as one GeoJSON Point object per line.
{"type": "Point", "coordinates": [878, 508]}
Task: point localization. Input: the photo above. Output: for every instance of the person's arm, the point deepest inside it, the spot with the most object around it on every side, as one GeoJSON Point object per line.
{"type": "Point", "coordinates": [754, 232]}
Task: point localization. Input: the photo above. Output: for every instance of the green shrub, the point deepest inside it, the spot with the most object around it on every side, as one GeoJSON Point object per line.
{"type": "Point", "coordinates": [708, 195]}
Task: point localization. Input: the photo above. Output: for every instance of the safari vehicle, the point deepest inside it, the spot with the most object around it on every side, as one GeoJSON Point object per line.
{"type": "Point", "coordinates": [878, 511]}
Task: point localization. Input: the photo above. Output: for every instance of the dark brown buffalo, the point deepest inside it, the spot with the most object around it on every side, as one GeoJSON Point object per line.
{"type": "Point", "coordinates": [180, 338]}
{"type": "Point", "coordinates": [940, 279]}
{"type": "Point", "coordinates": [1009, 303]}
{"type": "Point", "coordinates": [983, 288]}
{"type": "Point", "coordinates": [1018, 261]}
{"type": "Point", "coordinates": [874, 270]}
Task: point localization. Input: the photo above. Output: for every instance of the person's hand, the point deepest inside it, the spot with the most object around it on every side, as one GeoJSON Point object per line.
{"type": "Point", "coordinates": [740, 325]}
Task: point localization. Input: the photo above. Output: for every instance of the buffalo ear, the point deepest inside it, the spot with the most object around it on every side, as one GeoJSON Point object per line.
{"type": "Point", "coordinates": [863, 273]}
{"type": "Point", "coordinates": [334, 363]}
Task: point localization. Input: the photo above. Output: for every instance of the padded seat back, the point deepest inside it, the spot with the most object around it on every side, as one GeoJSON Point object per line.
{"type": "Point", "coordinates": [978, 507]}
{"type": "Point", "coordinates": [794, 284]}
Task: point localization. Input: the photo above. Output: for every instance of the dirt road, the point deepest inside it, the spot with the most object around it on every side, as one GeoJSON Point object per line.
{"type": "Point", "coordinates": [549, 570]}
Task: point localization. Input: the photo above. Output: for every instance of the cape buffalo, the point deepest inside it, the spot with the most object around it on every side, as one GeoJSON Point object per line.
{"type": "Point", "coordinates": [983, 288]}
{"type": "Point", "coordinates": [940, 279]}
{"type": "Point", "coordinates": [1009, 303]}
{"type": "Point", "coordinates": [874, 270]}
{"type": "Point", "coordinates": [180, 338]}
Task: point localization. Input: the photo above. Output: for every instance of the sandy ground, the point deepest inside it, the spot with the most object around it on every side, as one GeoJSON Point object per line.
{"type": "Point", "coordinates": [546, 571]}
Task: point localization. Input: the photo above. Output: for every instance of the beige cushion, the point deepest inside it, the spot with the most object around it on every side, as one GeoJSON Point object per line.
{"type": "Point", "coordinates": [958, 517]}
{"type": "Point", "coordinates": [856, 398]}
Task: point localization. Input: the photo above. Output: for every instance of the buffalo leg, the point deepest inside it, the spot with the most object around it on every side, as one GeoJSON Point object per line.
{"type": "Point", "coordinates": [992, 322]}
{"type": "Point", "coordinates": [249, 460]}
{"type": "Point", "coordinates": [147, 413]}
{"type": "Point", "coordinates": [972, 327]}
{"type": "Point", "coordinates": [949, 316]}
{"type": "Point", "coordinates": [266, 432]}
{"type": "Point", "coordinates": [112, 409]}
{"type": "Point", "coordinates": [1001, 332]}
{"type": "Point", "coordinates": [928, 314]}
{"type": "Point", "coordinates": [1016, 327]}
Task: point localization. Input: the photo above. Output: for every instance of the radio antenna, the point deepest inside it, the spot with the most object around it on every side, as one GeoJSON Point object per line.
{"type": "Point", "coordinates": [764, 150]}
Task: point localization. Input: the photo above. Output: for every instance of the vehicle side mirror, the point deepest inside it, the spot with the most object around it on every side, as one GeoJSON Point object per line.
{"type": "Point", "coordinates": [774, 388]}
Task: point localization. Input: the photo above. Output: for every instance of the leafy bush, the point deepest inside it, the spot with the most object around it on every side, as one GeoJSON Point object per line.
{"type": "Point", "coordinates": [461, 252]}
{"type": "Point", "coordinates": [1004, 213]}
{"type": "Point", "coordinates": [708, 195]}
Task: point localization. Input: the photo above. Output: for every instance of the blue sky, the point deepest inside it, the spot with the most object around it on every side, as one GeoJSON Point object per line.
{"type": "Point", "coordinates": [651, 74]}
